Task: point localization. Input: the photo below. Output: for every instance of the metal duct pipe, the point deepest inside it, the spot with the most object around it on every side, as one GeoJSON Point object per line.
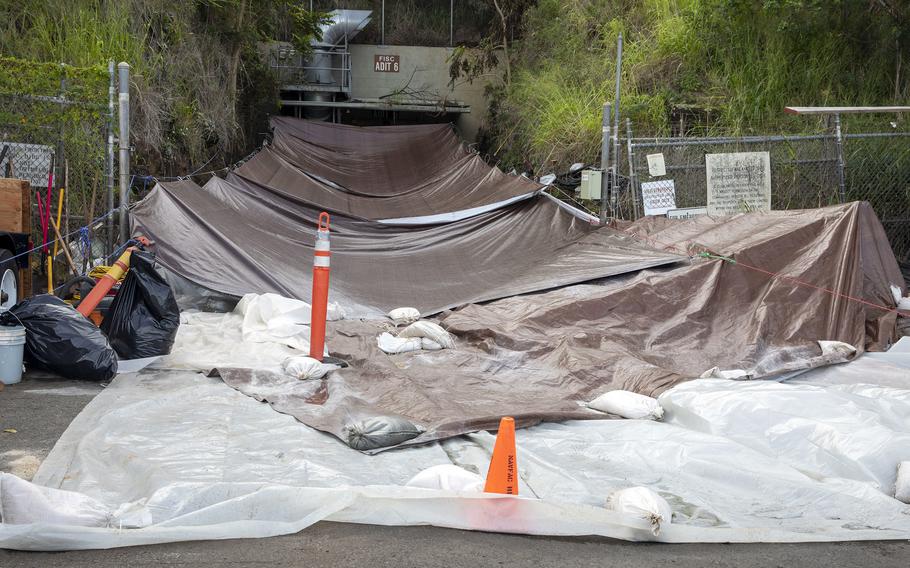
{"type": "Point", "coordinates": [345, 25]}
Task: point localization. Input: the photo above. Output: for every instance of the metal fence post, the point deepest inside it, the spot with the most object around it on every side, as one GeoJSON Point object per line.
{"type": "Point", "coordinates": [841, 173]}
{"type": "Point", "coordinates": [614, 179]}
{"type": "Point", "coordinates": [109, 162]}
{"type": "Point", "coordinates": [124, 70]}
{"type": "Point", "coordinates": [451, 23]}
{"type": "Point", "coordinates": [604, 161]}
{"type": "Point", "coordinates": [633, 190]}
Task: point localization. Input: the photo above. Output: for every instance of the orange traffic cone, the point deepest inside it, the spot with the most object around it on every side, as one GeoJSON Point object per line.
{"type": "Point", "coordinates": [502, 477]}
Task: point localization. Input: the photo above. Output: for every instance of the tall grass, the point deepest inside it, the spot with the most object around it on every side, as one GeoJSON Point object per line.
{"type": "Point", "coordinates": [722, 66]}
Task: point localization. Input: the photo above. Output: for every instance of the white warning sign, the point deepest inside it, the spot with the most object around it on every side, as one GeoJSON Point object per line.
{"type": "Point", "coordinates": [738, 182]}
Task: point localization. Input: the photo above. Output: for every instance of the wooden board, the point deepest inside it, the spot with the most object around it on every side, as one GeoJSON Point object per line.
{"type": "Point", "coordinates": [15, 206]}
{"type": "Point", "coordinates": [25, 283]}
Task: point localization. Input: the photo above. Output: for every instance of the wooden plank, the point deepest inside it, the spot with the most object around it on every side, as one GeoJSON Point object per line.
{"type": "Point", "coordinates": [15, 206]}
{"type": "Point", "coordinates": [25, 283]}
{"type": "Point", "coordinates": [845, 110]}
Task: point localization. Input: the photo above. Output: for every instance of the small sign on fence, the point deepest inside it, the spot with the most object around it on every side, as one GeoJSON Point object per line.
{"type": "Point", "coordinates": [686, 212]}
{"type": "Point", "coordinates": [31, 162]}
{"type": "Point", "coordinates": [386, 63]}
{"type": "Point", "coordinates": [658, 197]}
{"type": "Point", "coordinates": [656, 165]}
{"type": "Point", "coordinates": [738, 182]}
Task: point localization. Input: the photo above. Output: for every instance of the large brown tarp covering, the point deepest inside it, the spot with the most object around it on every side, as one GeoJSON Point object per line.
{"type": "Point", "coordinates": [799, 277]}
{"type": "Point", "coordinates": [383, 172]}
{"type": "Point", "coordinates": [237, 237]}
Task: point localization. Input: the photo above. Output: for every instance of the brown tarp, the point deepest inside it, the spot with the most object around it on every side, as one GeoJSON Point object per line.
{"type": "Point", "coordinates": [236, 237]}
{"type": "Point", "coordinates": [539, 357]}
{"type": "Point", "coordinates": [384, 172]}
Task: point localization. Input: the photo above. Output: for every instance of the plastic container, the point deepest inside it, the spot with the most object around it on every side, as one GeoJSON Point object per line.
{"type": "Point", "coordinates": [12, 346]}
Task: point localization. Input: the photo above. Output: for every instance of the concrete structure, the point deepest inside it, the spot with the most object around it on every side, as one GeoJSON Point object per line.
{"type": "Point", "coordinates": [383, 85]}
{"type": "Point", "coordinates": [423, 74]}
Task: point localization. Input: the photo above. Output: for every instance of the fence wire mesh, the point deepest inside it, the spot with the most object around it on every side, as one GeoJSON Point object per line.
{"type": "Point", "coordinates": [805, 173]}
{"type": "Point", "coordinates": [56, 140]}
{"type": "Point", "coordinates": [877, 170]}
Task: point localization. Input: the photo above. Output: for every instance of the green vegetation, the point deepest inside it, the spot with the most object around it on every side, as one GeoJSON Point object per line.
{"type": "Point", "coordinates": [691, 67]}
{"type": "Point", "coordinates": [199, 89]}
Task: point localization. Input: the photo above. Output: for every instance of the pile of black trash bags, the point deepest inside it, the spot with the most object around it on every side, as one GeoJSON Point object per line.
{"type": "Point", "coordinates": [142, 322]}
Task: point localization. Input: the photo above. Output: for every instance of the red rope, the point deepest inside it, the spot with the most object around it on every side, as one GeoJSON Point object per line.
{"type": "Point", "coordinates": [771, 274]}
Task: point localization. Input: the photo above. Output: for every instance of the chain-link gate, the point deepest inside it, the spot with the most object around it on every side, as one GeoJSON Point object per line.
{"type": "Point", "coordinates": [56, 140]}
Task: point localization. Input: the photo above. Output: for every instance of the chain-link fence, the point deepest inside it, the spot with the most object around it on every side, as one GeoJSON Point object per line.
{"type": "Point", "coordinates": [671, 173]}
{"type": "Point", "coordinates": [57, 139]}
{"type": "Point", "coordinates": [877, 170]}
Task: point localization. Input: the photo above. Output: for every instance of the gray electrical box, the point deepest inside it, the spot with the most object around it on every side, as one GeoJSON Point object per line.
{"type": "Point", "coordinates": [591, 183]}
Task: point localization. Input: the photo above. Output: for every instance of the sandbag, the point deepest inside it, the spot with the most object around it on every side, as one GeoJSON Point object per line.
{"type": "Point", "coordinates": [61, 340]}
{"type": "Point", "coordinates": [392, 345]}
{"type": "Point", "coordinates": [430, 331]}
{"type": "Point", "coordinates": [379, 432]}
{"type": "Point", "coordinates": [403, 316]}
{"type": "Point", "coordinates": [144, 315]}
{"type": "Point", "coordinates": [304, 367]}
{"type": "Point", "coordinates": [628, 405]}
{"type": "Point", "coordinates": [642, 503]}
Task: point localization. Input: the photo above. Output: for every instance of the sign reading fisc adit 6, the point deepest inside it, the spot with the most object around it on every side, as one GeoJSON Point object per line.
{"type": "Point", "coordinates": [738, 182]}
{"type": "Point", "coordinates": [386, 63]}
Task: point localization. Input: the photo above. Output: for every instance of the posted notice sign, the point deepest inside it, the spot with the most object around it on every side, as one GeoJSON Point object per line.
{"type": "Point", "coordinates": [738, 182]}
{"type": "Point", "coordinates": [658, 197]}
{"type": "Point", "coordinates": [386, 63]}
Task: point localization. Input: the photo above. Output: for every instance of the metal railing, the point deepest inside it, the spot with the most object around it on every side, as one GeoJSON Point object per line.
{"type": "Point", "coordinates": [296, 72]}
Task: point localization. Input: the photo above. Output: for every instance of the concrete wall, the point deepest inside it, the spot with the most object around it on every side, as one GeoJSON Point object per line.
{"type": "Point", "coordinates": [423, 69]}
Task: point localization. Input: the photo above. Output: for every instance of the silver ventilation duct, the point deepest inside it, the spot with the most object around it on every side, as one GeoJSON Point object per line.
{"type": "Point", "coordinates": [328, 65]}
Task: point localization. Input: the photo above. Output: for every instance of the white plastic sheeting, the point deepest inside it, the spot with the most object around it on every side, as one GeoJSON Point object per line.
{"type": "Point", "coordinates": [261, 332]}
{"type": "Point", "coordinates": [186, 457]}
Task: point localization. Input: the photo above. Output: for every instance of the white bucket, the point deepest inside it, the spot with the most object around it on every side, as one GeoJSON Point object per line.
{"type": "Point", "coordinates": [12, 345]}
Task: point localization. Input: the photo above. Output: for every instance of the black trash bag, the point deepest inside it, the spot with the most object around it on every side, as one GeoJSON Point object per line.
{"type": "Point", "coordinates": [144, 317]}
{"type": "Point", "coordinates": [61, 340]}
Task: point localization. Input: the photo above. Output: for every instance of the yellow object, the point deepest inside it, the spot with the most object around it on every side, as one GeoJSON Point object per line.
{"type": "Point", "coordinates": [50, 275]}
{"type": "Point", "coordinates": [101, 270]}
{"type": "Point", "coordinates": [59, 213]}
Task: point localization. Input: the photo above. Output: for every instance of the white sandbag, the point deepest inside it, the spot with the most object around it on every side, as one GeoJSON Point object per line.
{"type": "Point", "coordinates": [429, 345]}
{"type": "Point", "coordinates": [628, 405]}
{"type": "Point", "coordinates": [448, 477]}
{"type": "Point", "coordinates": [642, 503]}
{"type": "Point", "coordinates": [22, 503]}
{"type": "Point", "coordinates": [392, 345]}
{"type": "Point", "coordinates": [902, 486]}
{"type": "Point", "coordinates": [404, 316]}
{"type": "Point", "coordinates": [837, 350]}
{"type": "Point", "coordinates": [379, 432]}
{"type": "Point", "coordinates": [431, 331]}
{"type": "Point", "coordinates": [304, 367]}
